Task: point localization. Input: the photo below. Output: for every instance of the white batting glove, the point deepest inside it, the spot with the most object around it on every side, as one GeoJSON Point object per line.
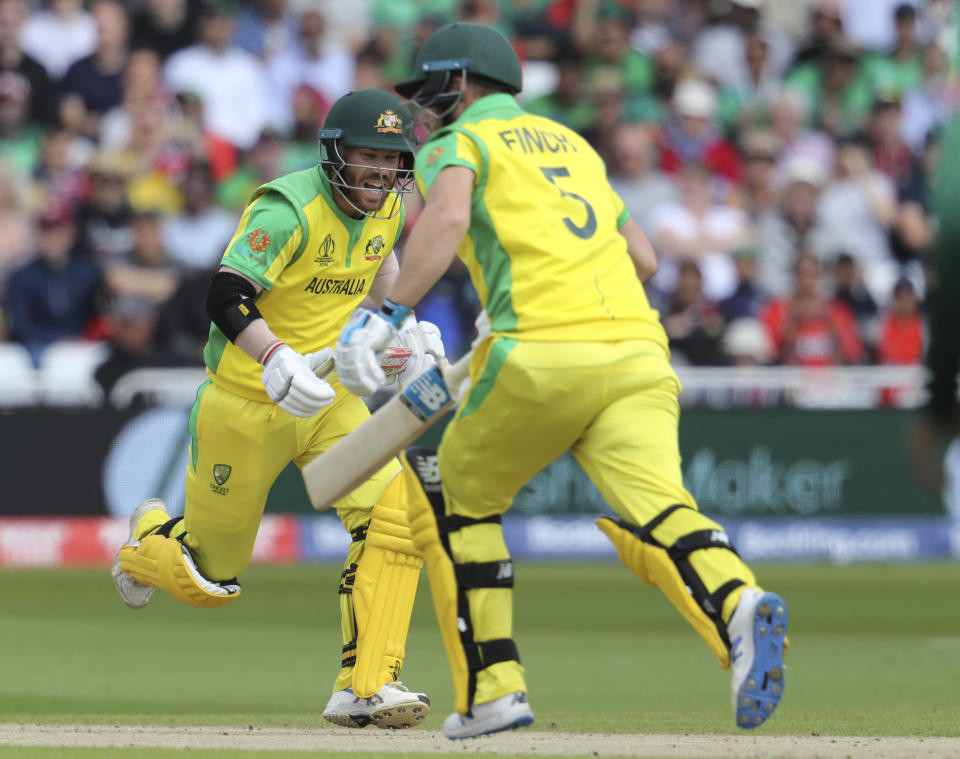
{"type": "Point", "coordinates": [291, 383]}
{"type": "Point", "coordinates": [424, 340]}
{"type": "Point", "coordinates": [358, 363]}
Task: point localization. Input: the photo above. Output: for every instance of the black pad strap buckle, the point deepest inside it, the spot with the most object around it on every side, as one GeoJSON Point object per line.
{"type": "Point", "coordinates": [347, 578]}
{"type": "Point", "coordinates": [359, 534]}
{"type": "Point", "coordinates": [696, 541]}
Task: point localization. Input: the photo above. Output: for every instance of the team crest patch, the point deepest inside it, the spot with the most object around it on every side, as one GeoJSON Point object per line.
{"type": "Point", "coordinates": [389, 122]}
{"type": "Point", "coordinates": [372, 251]}
{"type": "Point", "coordinates": [325, 253]}
{"type": "Point", "coordinates": [259, 240]}
{"type": "Point", "coordinates": [221, 473]}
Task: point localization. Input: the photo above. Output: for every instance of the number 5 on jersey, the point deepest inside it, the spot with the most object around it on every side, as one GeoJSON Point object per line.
{"type": "Point", "coordinates": [586, 231]}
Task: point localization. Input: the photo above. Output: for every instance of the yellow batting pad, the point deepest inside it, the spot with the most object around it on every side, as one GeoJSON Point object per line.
{"type": "Point", "coordinates": [443, 581]}
{"type": "Point", "coordinates": [384, 589]}
{"type": "Point", "coordinates": [655, 567]}
{"type": "Point", "coordinates": [165, 563]}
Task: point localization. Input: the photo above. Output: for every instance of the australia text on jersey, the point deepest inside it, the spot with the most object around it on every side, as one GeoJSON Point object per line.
{"type": "Point", "coordinates": [352, 286]}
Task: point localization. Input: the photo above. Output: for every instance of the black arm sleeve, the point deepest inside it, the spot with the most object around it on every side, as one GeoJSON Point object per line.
{"type": "Point", "coordinates": [230, 303]}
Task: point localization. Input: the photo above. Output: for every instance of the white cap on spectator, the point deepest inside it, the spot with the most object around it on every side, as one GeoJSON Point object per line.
{"type": "Point", "coordinates": [694, 97]}
{"type": "Point", "coordinates": [748, 338]}
{"type": "Point", "coordinates": [803, 168]}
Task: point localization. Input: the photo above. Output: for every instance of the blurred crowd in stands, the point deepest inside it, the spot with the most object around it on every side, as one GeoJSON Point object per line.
{"type": "Point", "coordinates": [779, 155]}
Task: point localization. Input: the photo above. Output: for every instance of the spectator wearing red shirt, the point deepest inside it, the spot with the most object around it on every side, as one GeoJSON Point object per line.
{"type": "Point", "coordinates": [690, 135]}
{"type": "Point", "coordinates": [900, 337]}
{"type": "Point", "coordinates": [809, 329]}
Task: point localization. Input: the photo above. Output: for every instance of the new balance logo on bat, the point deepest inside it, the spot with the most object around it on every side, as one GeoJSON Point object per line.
{"type": "Point", "coordinates": [426, 395]}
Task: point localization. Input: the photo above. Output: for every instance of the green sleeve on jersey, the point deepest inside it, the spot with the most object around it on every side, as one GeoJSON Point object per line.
{"type": "Point", "coordinates": [623, 215]}
{"type": "Point", "coordinates": [446, 149]}
{"type": "Point", "coordinates": [269, 230]}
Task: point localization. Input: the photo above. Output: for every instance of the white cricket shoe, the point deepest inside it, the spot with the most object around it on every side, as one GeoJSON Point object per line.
{"type": "Point", "coordinates": [393, 706]}
{"type": "Point", "coordinates": [757, 631]}
{"type": "Point", "coordinates": [133, 592]}
{"type": "Point", "coordinates": [504, 713]}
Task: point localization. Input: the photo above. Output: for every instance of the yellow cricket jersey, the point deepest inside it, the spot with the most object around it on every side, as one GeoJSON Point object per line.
{"type": "Point", "coordinates": [315, 264]}
{"type": "Point", "coordinates": [543, 247]}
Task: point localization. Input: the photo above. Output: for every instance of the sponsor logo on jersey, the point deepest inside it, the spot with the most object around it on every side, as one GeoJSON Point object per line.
{"type": "Point", "coordinates": [434, 155]}
{"type": "Point", "coordinates": [251, 255]}
{"type": "Point", "coordinates": [372, 251]}
{"type": "Point", "coordinates": [259, 240]}
{"type": "Point", "coordinates": [221, 473]}
{"type": "Point", "coordinates": [389, 122]}
{"type": "Point", "coordinates": [352, 286]}
{"type": "Point", "coordinates": [325, 253]}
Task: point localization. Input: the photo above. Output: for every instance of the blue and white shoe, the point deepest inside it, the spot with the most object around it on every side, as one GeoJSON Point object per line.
{"type": "Point", "coordinates": [757, 631]}
{"type": "Point", "coordinates": [504, 713]}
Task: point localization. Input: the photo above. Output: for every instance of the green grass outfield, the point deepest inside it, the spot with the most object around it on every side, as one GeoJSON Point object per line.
{"type": "Point", "coordinates": [875, 650]}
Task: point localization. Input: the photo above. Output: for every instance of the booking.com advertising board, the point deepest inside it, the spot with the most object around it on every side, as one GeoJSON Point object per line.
{"type": "Point", "coordinates": [786, 484]}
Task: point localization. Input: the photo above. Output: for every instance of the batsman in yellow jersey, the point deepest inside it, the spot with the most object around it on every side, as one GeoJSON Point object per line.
{"type": "Point", "coordinates": [310, 248]}
{"type": "Point", "coordinates": [576, 360]}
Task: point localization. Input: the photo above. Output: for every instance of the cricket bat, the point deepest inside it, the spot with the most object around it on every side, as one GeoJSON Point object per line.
{"type": "Point", "coordinates": [390, 429]}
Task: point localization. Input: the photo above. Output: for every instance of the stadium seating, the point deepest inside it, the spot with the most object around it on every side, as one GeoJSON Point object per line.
{"type": "Point", "coordinates": [18, 378]}
{"type": "Point", "coordinates": [65, 377]}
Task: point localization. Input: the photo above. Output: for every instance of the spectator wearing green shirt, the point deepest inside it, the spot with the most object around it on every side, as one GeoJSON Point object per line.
{"type": "Point", "coordinates": [611, 49]}
{"type": "Point", "coordinates": [838, 95]}
{"type": "Point", "coordinates": [566, 102]}
{"type": "Point", "coordinates": [20, 140]}
{"type": "Point", "coordinates": [261, 164]}
{"type": "Point", "coordinates": [746, 102]}
{"type": "Point", "coordinates": [902, 67]}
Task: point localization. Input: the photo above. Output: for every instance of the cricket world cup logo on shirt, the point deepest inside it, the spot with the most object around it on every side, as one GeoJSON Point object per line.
{"type": "Point", "coordinates": [325, 253]}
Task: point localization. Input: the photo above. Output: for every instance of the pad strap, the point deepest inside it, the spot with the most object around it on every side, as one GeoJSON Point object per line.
{"type": "Point", "coordinates": [486, 653]}
{"type": "Point", "coordinates": [679, 553]}
{"type": "Point", "coordinates": [469, 575]}
{"type": "Point", "coordinates": [454, 522]}
{"type": "Point", "coordinates": [484, 574]}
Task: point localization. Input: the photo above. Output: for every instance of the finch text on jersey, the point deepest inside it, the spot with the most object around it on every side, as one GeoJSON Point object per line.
{"type": "Point", "coordinates": [352, 286]}
{"type": "Point", "coordinates": [536, 141]}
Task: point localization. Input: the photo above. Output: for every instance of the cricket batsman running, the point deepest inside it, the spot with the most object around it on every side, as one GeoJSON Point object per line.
{"type": "Point", "coordinates": [310, 248]}
{"type": "Point", "coordinates": [576, 360]}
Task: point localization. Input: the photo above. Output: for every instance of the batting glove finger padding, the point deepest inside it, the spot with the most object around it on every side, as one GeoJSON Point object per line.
{"type": "Point", "coordinates": [321, 362]}
{"type": "Point", "coordinates": [290, 382]}
{"type": "Point", "coordinates": [358, 365]}
{"type": "Point", "coordinates": [426, 346]}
